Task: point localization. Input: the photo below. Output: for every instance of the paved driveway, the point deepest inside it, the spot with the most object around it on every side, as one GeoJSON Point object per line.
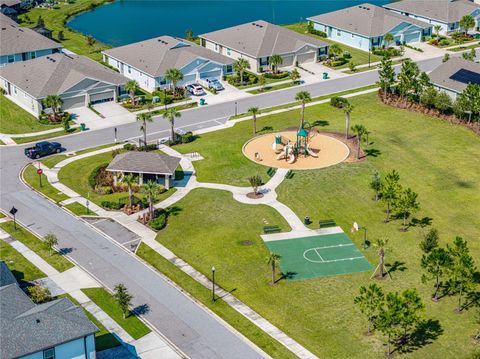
{"type": "Point", "coordinates": [116, 231]}
{"type": "Point", "coordinates": [86, 116]}
{"type": "Point", "coordinates": [114, 114]}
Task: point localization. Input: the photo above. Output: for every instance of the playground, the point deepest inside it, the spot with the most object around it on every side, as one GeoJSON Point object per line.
{"type": "Point", "coordinates": [299, 150]}
{"type": "Point", "coordinates": [316, 255]}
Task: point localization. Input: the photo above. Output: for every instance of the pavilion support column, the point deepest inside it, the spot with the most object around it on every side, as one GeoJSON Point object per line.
{"type": "Point", "coordinates": [140, 179]}
{"type": "Point", "coordinates": [115, 178]}
{"type": "Point", "coordinates": [167, 181]}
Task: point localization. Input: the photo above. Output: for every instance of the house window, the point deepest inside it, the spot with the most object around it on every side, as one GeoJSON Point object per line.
{"type": "Point", "coordinates": [10, 58]}
{"type": "Point", "coordinates": [229, 69]}
{"type": "Point", "coordinates": [162, 81]}
{"type": "Point", "coordinates": [216, 47]}
{"type": "Point", "coordinates": [33, 55]}
{"type": "Point", "coordinates": [49, 353]}
{"type": "Point", "coordinates": [15, 90]}
{"type": "Point", "coordinates": [325, 28]}
{"type": "Point", "coordinates": [264, 61]}
{"type": "Point", "coordinates": [353, 36]}
{"type": "Point", "coordinates": [129, 70]}
{"type": "Point", "coordinates": [339, 33]}
{"type": "Point", "coordinates": [229, 51]}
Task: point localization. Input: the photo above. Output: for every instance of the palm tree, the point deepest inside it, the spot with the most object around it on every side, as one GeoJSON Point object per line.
{"type": "Point", "coordinates": [254, 112]}
{"type": "Point", "coordinates": [303, 97]}
{"type": "Point", "coordinates": [132, 87]}
{"type": "Point", "coordinates": [274, 61]}
{"type": "Point", "coordinates": [151, 189]}
{"type": "Point", "coordinates": [335, 50]}
{"type": "Point", "coordinates": [347, 108]}
{"type": "Point", "coordinates": [437, 29]}
{"type": "Point", "coordinates": [173, 76]}
{"type": "Point", "coordinates": [129, 180]}
{"type": "Point", "coordinates": [54, 102]}
{"type": "Point", "coordinates": [273, 259]}
{"type": "Point", "coordinates": [388, 38]}
{"type": "Point", "coordinates": [467, 22]}
{"type": "Point", "coordinates": [381, 244]}
{"type": "Point", "coordinates": [262, 80]}
{"type": "Point", "coordinates": [240, 66]}
{"type": "Point", "coordinates": [295, 75]}
{"type": "Point", "coordinates": [171, 114]}
{"type": "Point", "coordinates": [144, 118]}
{"type": "Point", "coordinates": [359, 131]}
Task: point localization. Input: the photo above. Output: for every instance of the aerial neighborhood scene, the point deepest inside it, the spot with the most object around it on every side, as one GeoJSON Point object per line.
{"type": "Point", "coordinates": [239, 179]}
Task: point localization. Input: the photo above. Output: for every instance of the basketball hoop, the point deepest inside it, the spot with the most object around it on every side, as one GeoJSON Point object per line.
{"type": "Point", "coordinates": [355, 227]}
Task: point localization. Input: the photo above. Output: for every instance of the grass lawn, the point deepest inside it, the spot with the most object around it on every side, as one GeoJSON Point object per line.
{"type": "Point", "coordinates": [75, 175]}
{"type": "Point", "coordinates": [359, 57]}
{"type": "Point", "coordinates": [20, 266]}
{"type": "Point", "coordinates": [103, 338]}
{"type": "Point", "coordinates": [204, 295]}
{"type": "Point", "coordinates": [274, 88]}
{"type": "Point", "coordinates": [14, 119]}
{"type": "Point", "coordinates": [31, 177]}
{"type": "Point", "coordinates": [55, 19]}
{"type": "Point", "coordinates": [465, 47]}
{"type": "Point", "coordinates": [436, 159]}
{"type": "Point", "coordinates": [132, 325]}
{"type": "Point", "coordinates": [79, 209]}
{"type": "Point", "coordinates": [51, 161]}
{"type": "Point", "coordinates": [52, 135]}
{"type": "Point", "coordinates": [21, 234]}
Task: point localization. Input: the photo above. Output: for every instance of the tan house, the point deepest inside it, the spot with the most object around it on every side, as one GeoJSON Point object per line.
{"type": "Point", "coordinates": [257, 41]}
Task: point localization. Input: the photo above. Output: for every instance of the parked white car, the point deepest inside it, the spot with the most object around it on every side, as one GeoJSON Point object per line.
{"type": "Point", "coordinates": [195, 89]}
{"type": "Point", "coordinates": [211, 83]}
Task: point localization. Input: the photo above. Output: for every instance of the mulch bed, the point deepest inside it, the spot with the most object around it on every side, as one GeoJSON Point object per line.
{"type": "Point", "coordinates": [253, 195]}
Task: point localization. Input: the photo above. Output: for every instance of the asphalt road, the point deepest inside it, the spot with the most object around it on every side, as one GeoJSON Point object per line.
{"type": "Point", "coordinates": [193, 330]}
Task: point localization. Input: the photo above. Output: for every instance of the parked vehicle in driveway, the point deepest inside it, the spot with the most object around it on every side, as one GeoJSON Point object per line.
{"type": "Point", "coordinates": [211, 83]}
{"type": "Point", "coordinates": [42, 149]}
{"type": "Point", "coordinates": [195, 89]}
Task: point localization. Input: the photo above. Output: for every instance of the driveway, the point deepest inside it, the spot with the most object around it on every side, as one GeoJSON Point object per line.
{"type": "Point", "coordinates": [116, 231]}
{"type": "Point", "coordinates": [229, 93]}
{"type": "Point", "coordinates": [86, 116]}
{"type": "Point", "coordinates": [114, 114]}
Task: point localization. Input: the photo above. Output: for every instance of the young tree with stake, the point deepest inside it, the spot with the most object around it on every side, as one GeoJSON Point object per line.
{"type": "Point", "coordinates": [255, 183]}
{"type": "Point", "coordinates": [390, 190]}
{"type": "Point", "coordinates": [170, 115]}
{"type": "Point", "coordinates": [370, 301]}
{"type": "Point", "coordinates": [376, 183]}
{"type": "Point", "coordinates": [436, 264]}
{"type": "Point", "coordinates": [406, 204]}
{"type": "Point", "coordinates": [123, 298]}
{"type": "Point", "coordinates": [430, 241]}
{"type": "Point", "coordinates": [50, 240]}
{"type": "Point", "coordinates": [273, 260]}
{"type": "Point", "coordinates": [144, 118]}
{"type": "Point", "coordinates": [381, 244]}
{"type": "Point", "coordinates": [303, 97]}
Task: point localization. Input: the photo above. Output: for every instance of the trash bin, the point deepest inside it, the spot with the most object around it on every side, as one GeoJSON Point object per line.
{"type": "Point", "coordinates": [325, 75]}
{"type": "Point", "coordinates": [155, 99]}
{"type": "Point", "coordinates": [83, 127]}
{"type": "Point", "coordinates": [202, 101]}
{"type": "Point", "coordinates": [306, 220]}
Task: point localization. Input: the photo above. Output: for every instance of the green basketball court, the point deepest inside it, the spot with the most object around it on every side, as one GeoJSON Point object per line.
{"type": "Point", "coordinates": [318, 256]}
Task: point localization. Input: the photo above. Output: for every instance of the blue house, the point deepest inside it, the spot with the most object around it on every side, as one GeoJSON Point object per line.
{"type": "Point", "coordinates": [445, 13]}
{"type": "Point", "coordinates": [364, 26]}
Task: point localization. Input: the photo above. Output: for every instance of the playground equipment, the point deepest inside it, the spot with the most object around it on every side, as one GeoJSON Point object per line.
{"type": "Point", "coordinates": [290, 152]}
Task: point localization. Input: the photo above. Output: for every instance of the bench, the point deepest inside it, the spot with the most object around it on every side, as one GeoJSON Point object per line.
{"type": "Point", "coordinates": [270, 172]}
{"type": "Point", "coordinates": [325, 223]}
{"type": "Point", "coordinates": [271, 229]}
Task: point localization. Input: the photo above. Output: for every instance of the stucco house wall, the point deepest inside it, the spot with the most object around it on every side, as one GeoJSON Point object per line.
{"type": "Point", "coordinates": [21, 98]}
{"type": "Point", "coordinates": [235, 55]}
{"type": "Point", "coordinates": [12, 58]}
{"type": "Point", "coordinates": [344, 37]}
{"type": "Point", "coordinates": [82, 348]}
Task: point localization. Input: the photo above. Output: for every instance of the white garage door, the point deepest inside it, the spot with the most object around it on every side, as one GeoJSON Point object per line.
{"type": "Point", "coordinates": [215, 74]}
{"type": "Point", "coordinates": [307, 57]}
{"type": "Point", "coordinates": [287, 60]}
{"type": "Point", "coordinates": [101, 97]}
{"type": "Point", "coordinates": [412, 37]}
{"type": "Point", "coordinates": [73, 102]}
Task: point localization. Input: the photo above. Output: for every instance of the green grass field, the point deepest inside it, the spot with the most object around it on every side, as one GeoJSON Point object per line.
{"type": "Point", "coordinates": [436, 159]}
{"type": "Point", "coordinates": [106, 301]}
{"type": "Point", "coordinates": [31, 176]}
{"type": "Point", "coordinates": [21, 234]}
{"type": "Point", "coordinates": [21, 268]}
{"type": "Point", "coordinates": [78, 209]}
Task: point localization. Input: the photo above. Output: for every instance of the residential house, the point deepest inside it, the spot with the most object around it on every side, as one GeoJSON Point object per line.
{"type": "Point", "coordinates": [147, 61]}
{"type": "Point", "coordinates": [20, 44]}
{"type": "Point", "coordinates": [78, 80]}
{"type": "Point", "coordinates": [446, 13]}
{"type": "Point", "coordinates": [10, 7]}
{"type": "Point", "coordinates": [257, 41]}
{"type": "Point", "coordinates": [365, 26]}
{"type": "Point", "coordinates": [53, 330]}
{"type": "Point", "coordinates": [454, 75]}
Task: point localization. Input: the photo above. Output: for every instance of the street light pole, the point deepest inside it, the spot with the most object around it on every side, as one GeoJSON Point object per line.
{"type": "Point", "coordinates": [115, 130]}
{"type": "Point", "coordinates": [213, 284]}
{"type": "Point", "coordinates": [165, 97]}
{"type": "Point", "coordinates": [235, 108]}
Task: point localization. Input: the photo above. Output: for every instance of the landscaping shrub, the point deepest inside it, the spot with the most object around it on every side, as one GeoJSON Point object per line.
{"type": "Point", "coordinates": [187, 137]}
{"type": "Point", "coordinates": [160, 220]}
{"type": "Point", "coordinates": [389, 51]}
{"type": "Point", "coordinates": [99, 177]}
{"type": "Point", "coordinates": [338, 102]}
{"type": "Point", "coordinates": [130, 147]}
{"type": "Point", "coordinates": [317, 32]}
{"type": "Point", "coordinates": [444, 42]}
{"type": "Point", "coordinates": [280, 75]}
{"type": "Point", "coordinates": [111, 205]}
{"type": "Point", "coordinates": [346, 55]}
{"type": "Point", "coordinates": [150, 147]}
{"type": "Point", "coordinates": [336, 63]}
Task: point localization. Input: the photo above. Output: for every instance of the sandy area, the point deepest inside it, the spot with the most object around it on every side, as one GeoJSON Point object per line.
{"type": "Point", "coordinates": [330, 151]}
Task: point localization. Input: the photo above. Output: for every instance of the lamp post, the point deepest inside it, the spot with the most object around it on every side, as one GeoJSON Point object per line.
{"type": "Point", "coordinates": [213, 284]}
{"type": "Point", "coordinates": [165, 97]}
{"type": "Point", "coordinates": [235, 108]}
{"type": "Point", "coordinates": [356, 228]}
{"type": "Point", "coordinates": [88, 203]}
{"type": "Point", "coordinates": [115, 131]}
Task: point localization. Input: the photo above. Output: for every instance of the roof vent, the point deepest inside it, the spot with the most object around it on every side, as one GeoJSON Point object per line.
{"type": "Point", "coordinates": [38, 320]}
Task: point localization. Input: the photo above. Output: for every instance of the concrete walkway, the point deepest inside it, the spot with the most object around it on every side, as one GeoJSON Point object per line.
{"type": "Point", "coordinates": [148, 236]}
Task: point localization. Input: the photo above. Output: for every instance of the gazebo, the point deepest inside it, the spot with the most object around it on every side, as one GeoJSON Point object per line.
{"type": "Point", "coordinates": [147, 165]}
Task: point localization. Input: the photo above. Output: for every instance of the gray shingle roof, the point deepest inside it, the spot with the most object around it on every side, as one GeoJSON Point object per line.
{"type": "Point", "coordinates": [6, 277]}
{"type": "Point", "coordinates": [157, 55]}
{"type": "Point", "coordinates": [144, 162]}
{"type": "Point", "coordinates": [15, 39]}
{"type": "Point", "coordinates": [54, 74]}
{"type": "Point", "coordinates": [455, 74]}
{"type": "Point", "coordinates": [443, 10]}
{"type": "Point", "coordinates": [366, 20]}
{"type": "Point", "coordinates": [10, 2]}
{"type": "Point", "coordinates": [261, 39]}
{"type": "Point", "coordinates": [5, 20]}
{"type": "Point", "coordinates": [27, 328]}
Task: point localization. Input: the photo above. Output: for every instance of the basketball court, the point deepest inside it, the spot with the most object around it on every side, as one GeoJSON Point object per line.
{"type": "Point", "coordinates": [317, 254]}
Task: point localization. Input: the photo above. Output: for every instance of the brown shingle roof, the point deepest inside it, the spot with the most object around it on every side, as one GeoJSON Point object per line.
{"type": "Point", "coordinates": [144, 162]}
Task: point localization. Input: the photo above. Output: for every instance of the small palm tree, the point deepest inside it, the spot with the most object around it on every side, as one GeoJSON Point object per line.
{"type": "Point", "coordinates": [347, 108]}
{"type": "Point", "coordinates": [335, 50]}
{"type": "Point", "coordinates": [240, 66]}
{"type": "Point", "coordinates": [254, 111]}
{"type": "Point", "coordinates": [174, 76]}
{"type": "Point", "coordinates": [144, 118]}
{"type": "Point", "coordinates": [467, 22]}
{"type": "Point", "coordinates": [132, 87]}
{"type": "Point", "coordinates": [54, 102]}
{"type": "Point", "coordinates": [359, 131]}
{"type": "Point", "coordinates": [295, 75]}
{"type": "Point", "coordinates": [170, 115]}
{"type": "Point", "coordinates": [381, 244]}
{"type": "Point", "coordinates": [303, 97]}
{"type": "Point", "coordinates": [388, 39]}
{"type": "Point", "coordinates": [437, 29]}
{"type": "Point", "coordinates": [151, 189]}
{"type": "Point", "coordinates": [273, 259]}
{"type": "Point", "coordinates": [129, 180]}
{"type": "Point", "coordinates": [262, 80]}
{"type": "Point", "coordinates": [275, 61]}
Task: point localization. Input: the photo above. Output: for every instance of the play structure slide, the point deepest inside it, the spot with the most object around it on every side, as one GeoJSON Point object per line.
{"type": "Point", "coordinates": [311, 153]}
{"type": "Point", "coordinates": [291, 158]}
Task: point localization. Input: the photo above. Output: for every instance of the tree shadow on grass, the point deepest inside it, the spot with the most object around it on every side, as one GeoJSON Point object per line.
{"type": "Point", "coordinates": [422, 222]}
{"type": "Point", "coordinates": [372, 152]}
{"type": "Point", "coordinates": [173, 210]}
{"type": "Point", "coordinates": [266, 129]}
{"type": "Point", "coordinates": [288, 275]}
{"type": "Point", "coordinates": [396, 267]}
{"type": "Point", "coordinates": [426, 333]}
{"type": "Point", "coordinates": [321, 123]}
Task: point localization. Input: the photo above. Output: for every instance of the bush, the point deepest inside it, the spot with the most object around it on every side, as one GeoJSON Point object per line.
{"type": "Point", "coordinates": [318, 33]}
{"type": "Point", "coordinates": [111, 205]}
{"type": "Point", "coordinates": [39, 294]}
{"type": "Point", "coordinates": [130, 147]}
{"type": "Point", "coordinates": [444, 42]}
{"type": "Point", "coordinates": [347, 55]}
{"type": "Point", "coordinates": [338, 102]}
{"type": "Point", "coordinates": [92, 179]}
{"type": "Point", "coordinates": [188, 137]}
{"type": "Point", "coordinates": [280, 75]}
{"type": "Point", "coordinates": [160, 220]}
{"type": "Point", "coordinates": [336, 63]}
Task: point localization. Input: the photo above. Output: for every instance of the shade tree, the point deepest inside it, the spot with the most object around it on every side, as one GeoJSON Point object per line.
{"type": "Point", "coordinates": [123, 298]}
{"type": "Point", "coordinates": [369, 301]}
{"type": "Point", "coordinates": [436, 264]}
{"type": "Point", "coordinates": [376, 183]}
{"type": "Point", "coordinates": [390, 191]}
{"type": "Point", "coordinates": [406, 204]}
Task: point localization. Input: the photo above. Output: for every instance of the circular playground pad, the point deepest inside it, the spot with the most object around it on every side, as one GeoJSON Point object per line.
{"type": "Point", "coordinates": [279, 150]}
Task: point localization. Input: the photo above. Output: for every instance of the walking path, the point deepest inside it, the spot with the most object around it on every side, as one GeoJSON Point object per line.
{"type": "Point", "coordinates": [71, 282]}
{"type": "Point", "coordinates": [148, 236]}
